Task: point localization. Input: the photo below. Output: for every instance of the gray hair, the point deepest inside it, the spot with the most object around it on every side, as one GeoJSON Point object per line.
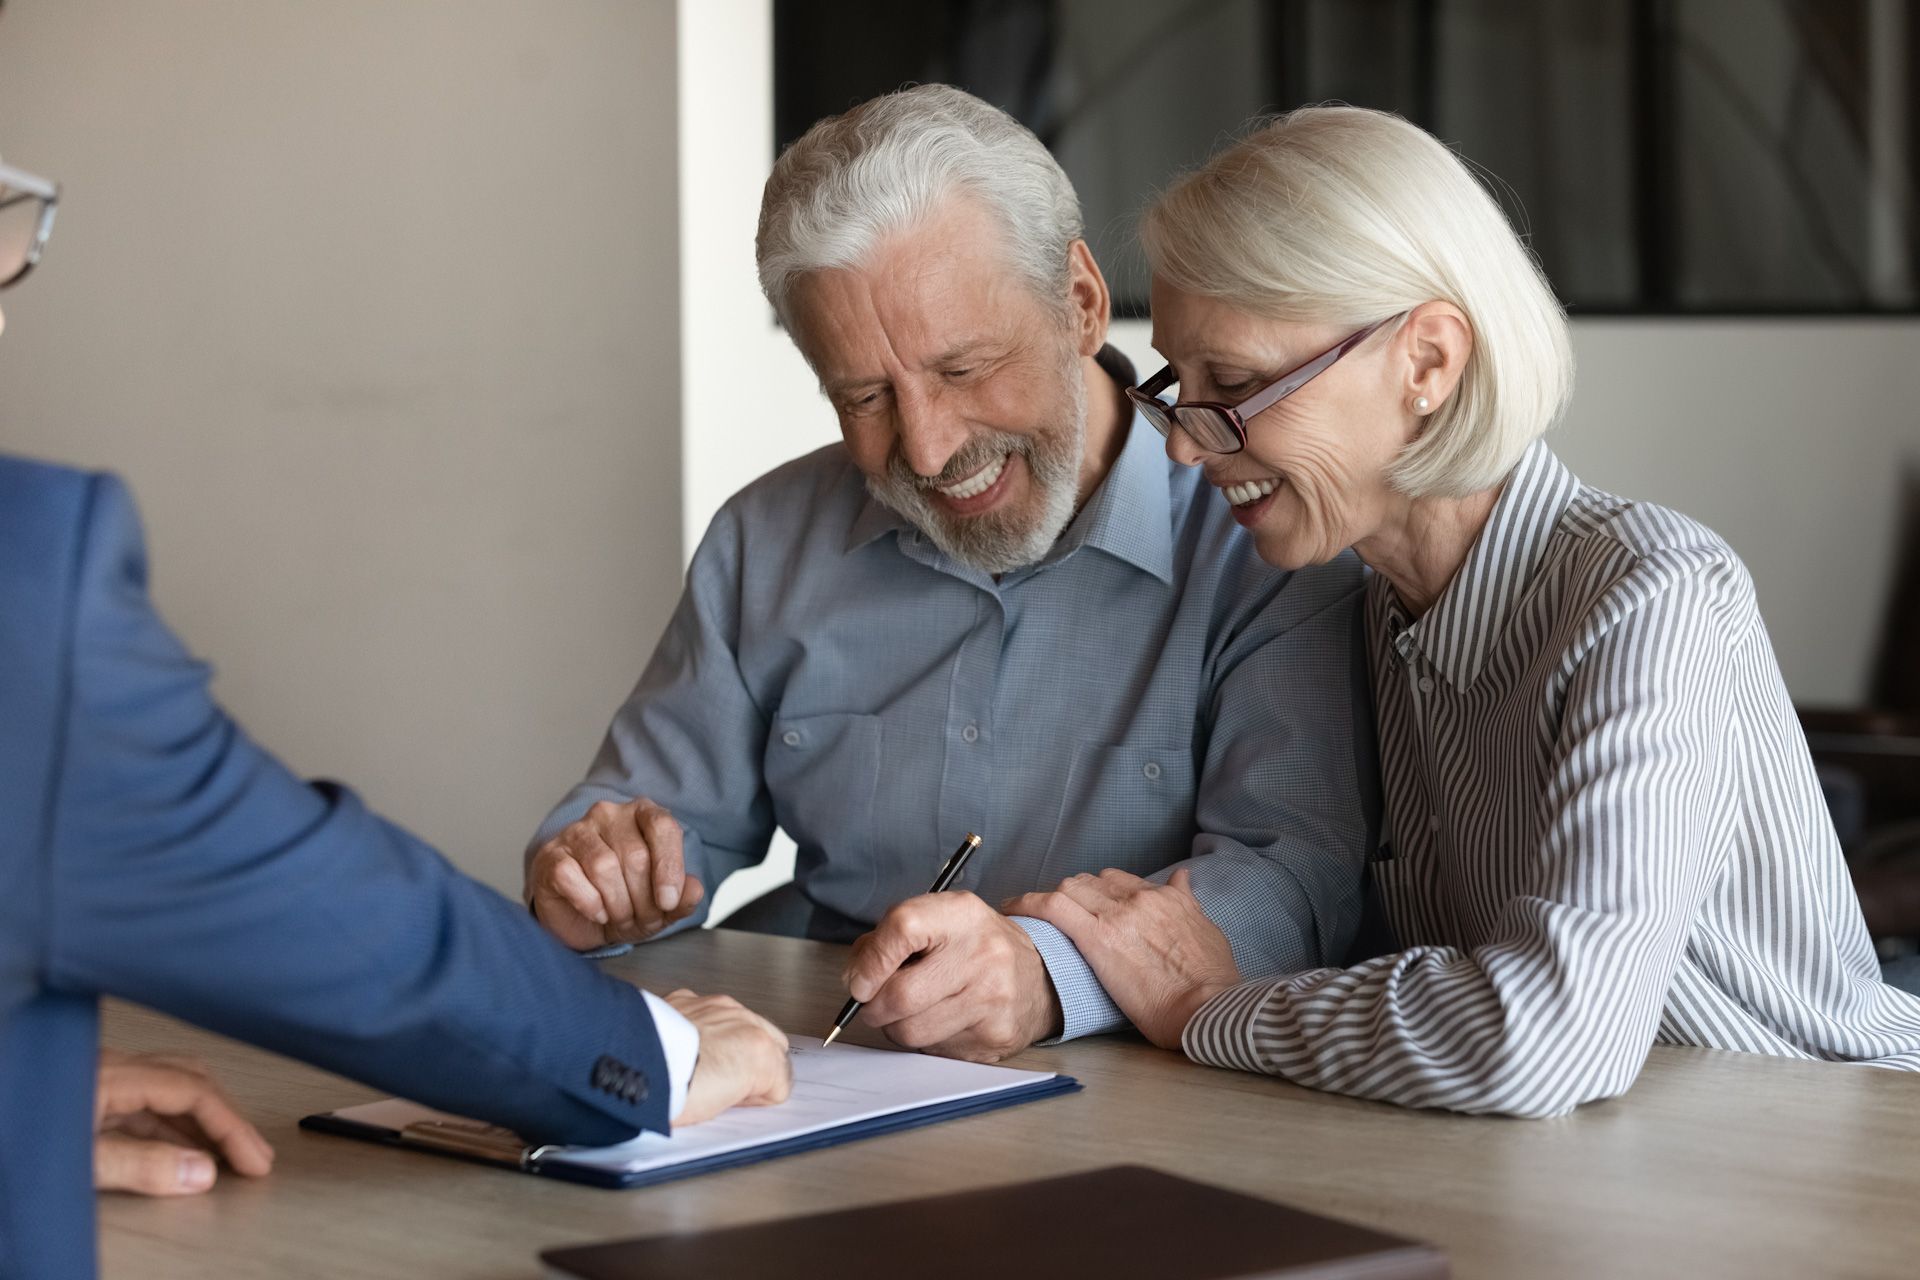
{"type": "Point", "coordinates": [856, 178]}
{"type": "Point", "coordinates": [1341, 215]}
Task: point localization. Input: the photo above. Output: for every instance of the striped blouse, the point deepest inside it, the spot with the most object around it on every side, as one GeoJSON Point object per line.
{"type": "Point", "coordinates": [1602, 831]}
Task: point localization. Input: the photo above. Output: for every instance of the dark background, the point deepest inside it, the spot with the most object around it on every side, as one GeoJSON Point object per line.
{"type": "Point", "coordinates": [1698, 157]}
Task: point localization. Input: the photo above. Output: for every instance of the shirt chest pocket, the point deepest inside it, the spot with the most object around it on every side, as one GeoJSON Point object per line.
{"type": "Point", "coordinates": [822, 773]}
{"type": "Point", "coordinates": [1401, 885]}
{"type": "Point", "coordinates": [1128, 806]}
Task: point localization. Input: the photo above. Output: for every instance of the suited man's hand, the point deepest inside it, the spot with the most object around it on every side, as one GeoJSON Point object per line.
{"type": "Point", "coordinates": [946, 973]}
{"type": "Point", "coordinates": [158, 1124]}
{"type": "Point", "coordinates": [743, 1058]}
{"type": "Point", "coordinates": [618, 874]}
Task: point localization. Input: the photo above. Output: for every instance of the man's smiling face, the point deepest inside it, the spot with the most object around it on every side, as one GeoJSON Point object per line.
{"type": "Point", "coordinates": [960, 392]}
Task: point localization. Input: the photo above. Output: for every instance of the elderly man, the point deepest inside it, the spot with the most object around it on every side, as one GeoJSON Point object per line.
{"type": "Point", "coordinates": [995, 607]}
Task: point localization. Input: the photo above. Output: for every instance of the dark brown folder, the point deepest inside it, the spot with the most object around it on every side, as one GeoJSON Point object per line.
{"type": "Point", "coordinates": [1123, 1221]}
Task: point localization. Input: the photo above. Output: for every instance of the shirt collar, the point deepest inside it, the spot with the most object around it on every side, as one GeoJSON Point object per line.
{"type": "Point", "coordinates": [1457, 633]}
{"type": "Point", "coordinates": [876, 518]}
{"type": "Point", "coordinates": [1130, 516]}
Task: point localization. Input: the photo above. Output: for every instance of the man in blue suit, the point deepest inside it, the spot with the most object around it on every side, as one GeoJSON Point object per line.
{"type": "Point", "coordinates": [150, 850]}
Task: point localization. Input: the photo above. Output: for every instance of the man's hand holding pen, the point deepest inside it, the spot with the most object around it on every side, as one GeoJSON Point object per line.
{"type": "Point", "coordinates": [976, 988]}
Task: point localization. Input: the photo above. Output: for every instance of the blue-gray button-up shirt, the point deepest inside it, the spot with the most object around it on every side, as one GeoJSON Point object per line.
{"type": "Point", "coordinates": [1149, 695]}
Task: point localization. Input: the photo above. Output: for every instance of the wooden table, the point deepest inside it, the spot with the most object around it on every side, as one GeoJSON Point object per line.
{"type": "Point", "coordinates": [1715, 1164]}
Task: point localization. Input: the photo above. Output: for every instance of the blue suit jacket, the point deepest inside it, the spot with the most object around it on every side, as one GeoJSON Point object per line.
{"type": "Point", "coordinates": [149, 850]}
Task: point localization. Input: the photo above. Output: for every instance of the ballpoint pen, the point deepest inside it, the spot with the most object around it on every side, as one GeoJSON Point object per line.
{"type": "Point", "coordinates": [948, 874]}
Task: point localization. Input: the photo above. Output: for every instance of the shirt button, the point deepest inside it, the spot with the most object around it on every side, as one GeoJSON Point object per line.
{"type": "Point", "coordinates": [1426, 684]}
{"type": "Point", "coordinates": [791, 737]}
{"type": "Point", "coordinates": [1152, 769]}
{"type": "Point", "coordinates": [970, 734]}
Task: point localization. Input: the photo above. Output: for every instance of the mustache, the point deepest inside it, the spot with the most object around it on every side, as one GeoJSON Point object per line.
{"type": "Point", "coordinates": [975, 454]}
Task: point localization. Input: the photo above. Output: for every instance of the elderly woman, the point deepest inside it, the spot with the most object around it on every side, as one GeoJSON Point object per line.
{"type": "Point", "coordinates": [1602, 824]}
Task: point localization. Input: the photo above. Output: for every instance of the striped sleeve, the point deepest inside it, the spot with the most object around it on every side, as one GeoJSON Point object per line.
{"type": "Point", "coordinates": [1561, 1004]}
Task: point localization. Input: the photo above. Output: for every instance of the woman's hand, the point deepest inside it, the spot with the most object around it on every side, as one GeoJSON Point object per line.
{"type": "Point", "coordinates": [158, 1124]}
{"type": "Point", "coordinates": [1151, 945]}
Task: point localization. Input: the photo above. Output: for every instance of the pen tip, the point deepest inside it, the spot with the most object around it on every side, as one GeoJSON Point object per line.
{"type": "Point", "coordinates": [973, 839]}
{"type": "Point", "coordinates": [830, 1035]}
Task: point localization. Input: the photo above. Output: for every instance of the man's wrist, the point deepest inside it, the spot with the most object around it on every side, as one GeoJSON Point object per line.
{"type": "Point", "coordinates": [679, 1045]}
{"type": "Point", "coordinates": [1194, 1000]}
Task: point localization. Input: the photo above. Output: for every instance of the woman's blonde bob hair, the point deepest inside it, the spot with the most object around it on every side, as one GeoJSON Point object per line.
{"type": "Point", "coordinates": [1340, 215]}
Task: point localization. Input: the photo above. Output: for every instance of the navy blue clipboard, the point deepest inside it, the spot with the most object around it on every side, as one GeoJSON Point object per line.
{"type": "Point", "coordinates": [555, 1165]}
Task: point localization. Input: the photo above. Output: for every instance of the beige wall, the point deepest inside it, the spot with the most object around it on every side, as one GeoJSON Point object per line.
{"type": "Point", "coordinates": [374, 302]}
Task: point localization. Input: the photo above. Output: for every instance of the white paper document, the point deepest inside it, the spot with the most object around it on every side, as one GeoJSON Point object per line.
{"type": "Point", "coordinates": [835, 1088]}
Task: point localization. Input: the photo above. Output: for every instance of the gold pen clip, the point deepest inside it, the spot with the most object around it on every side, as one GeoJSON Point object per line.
{"type": "Point", "coordinates": [471, 1138]}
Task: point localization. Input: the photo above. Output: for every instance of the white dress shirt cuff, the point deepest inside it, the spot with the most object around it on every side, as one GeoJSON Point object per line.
{"type": "Point", "coordinates": [679, 1044]}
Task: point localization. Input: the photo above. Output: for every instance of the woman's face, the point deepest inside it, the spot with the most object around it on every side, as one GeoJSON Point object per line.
{"type": "Point", "coordinates": [1312, 480]}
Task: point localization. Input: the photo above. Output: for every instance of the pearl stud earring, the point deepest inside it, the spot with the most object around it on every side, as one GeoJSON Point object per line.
{"type": "Point", "coordinates": [1421, 404]}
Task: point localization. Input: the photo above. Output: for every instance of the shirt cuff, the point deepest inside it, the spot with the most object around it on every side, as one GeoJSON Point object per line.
{"type": "Point", "coordinates": [679, 1045]}
{"type": "Point", "coordinates": [1085, 1007]}
{"type": "Point", "coordinates": [1221, 1033]}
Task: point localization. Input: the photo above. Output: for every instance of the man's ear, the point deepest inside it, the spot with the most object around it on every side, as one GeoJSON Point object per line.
{"type": "Point", "coordinates": [1088, 300]}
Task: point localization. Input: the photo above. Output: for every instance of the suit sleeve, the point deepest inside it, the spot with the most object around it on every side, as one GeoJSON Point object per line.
{"type": "Point", "coordinates": [194, 874]}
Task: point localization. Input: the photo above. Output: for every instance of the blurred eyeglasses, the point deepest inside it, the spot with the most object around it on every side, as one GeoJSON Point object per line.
{"type": "Point", "coordinates": [1222, 428]}
{"type": "Point", "coordinates": [27, 205]}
